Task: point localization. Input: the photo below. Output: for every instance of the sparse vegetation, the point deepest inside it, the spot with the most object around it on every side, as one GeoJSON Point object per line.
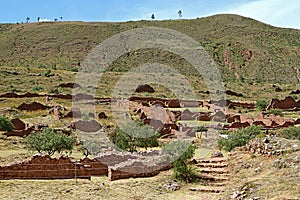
{"type": "Point", "coordinates": [292, 133]}
{"type": "Point", "coordinates": [26, 65]}
{"type": "Point", "coordinates": [239, 138]}
{"type": "Point", "coordinates": [276, 112]}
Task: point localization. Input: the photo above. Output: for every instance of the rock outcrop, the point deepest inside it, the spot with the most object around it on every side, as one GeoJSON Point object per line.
{"type": "Point", "coordinates": [32, 106]}
{"type": "Point", "coordinates": [145, 88]}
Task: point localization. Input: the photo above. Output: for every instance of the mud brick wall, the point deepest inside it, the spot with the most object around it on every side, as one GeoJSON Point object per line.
{"type": "Point", "coordinates": [116, 165]}
{"type": "Point", "coordinates": [45, 167]}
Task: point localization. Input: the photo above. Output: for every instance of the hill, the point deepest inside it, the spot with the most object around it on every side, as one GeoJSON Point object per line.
{"type": "Point", "coordinates": [246, 50]}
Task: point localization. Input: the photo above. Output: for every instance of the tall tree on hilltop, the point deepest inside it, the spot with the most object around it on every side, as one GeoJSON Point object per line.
{"type": "Point", "coordinates": [152, 16]}
{"type": "Point", "coordinates": [180, 14]}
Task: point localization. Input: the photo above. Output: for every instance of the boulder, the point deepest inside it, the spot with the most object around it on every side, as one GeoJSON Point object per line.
{"type": "Point", "coordinates": [102, 115]}
{"type": "Point", "coordinates": [69, 85]}
{"type": "Point", "coordinates": [86, 126]}
{"type": "Point", "coordinates": [145, 88]}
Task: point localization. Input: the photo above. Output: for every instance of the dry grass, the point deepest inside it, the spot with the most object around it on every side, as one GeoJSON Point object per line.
{"type": "Point", "coordinates": [268, 182]}
{"type": "Point", "coordinates": [98, 188]}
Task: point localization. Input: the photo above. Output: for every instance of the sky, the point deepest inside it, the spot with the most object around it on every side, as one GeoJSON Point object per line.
{"type": "Point", "coordinates": [281, 13]}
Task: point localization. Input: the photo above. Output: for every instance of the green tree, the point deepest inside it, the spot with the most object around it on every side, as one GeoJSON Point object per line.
{"type": "Point", "coordinates": [6, 124]}
{"type": "Point", "coordinates": [262, 104]}
{"type": "Point", "coordinates": [49, 141]}
{"type": "Point", "coordinates": [153, 16]}
{"type": "Point", "coordinates": [133, 135]}
{"type": "Point", "coordinates": [180, 14]}
{"type": "Point", "coordinates": [180, 152]}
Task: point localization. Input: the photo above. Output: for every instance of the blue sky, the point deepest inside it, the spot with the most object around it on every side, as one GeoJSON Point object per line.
{"type": "Point", "coordinates": [283, 13]}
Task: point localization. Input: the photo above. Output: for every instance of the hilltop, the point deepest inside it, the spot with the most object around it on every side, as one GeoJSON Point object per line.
{"type": "Point", "coordinates": [246, 50]}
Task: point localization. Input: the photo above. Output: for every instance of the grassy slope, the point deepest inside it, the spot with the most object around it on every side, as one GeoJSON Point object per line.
{"type": "Point", "coordinates": [226, 37]}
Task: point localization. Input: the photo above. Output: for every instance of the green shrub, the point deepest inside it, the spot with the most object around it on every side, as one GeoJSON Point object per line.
{"type": "Point", "coordinates": [37, 88]}
{"type": "Point", "coordinates": [90, 148]}
{"type": "Point", "coordinates": [276, 112]}
{"type": "Point", "coordinates": [6, 124]}
{"type": "Point", "coordinates": [49, 141]}
{"type": "Point", "coordinates": [262, 104]}
{"type": "Point", "coordinates": [200, 129]}
{"type": "Point", "coordinates": [261, 135]}
{"type": "Point", "coordinates": [294, 96]}
{"type": "Point", "coordinates": [180, 152]}
{"type": "Point", "coordinates": [239, 138]}
{"type": "Point", "coordinates": [47, 73]}
{"type": "Point", "coordinates": [292, 133]}
{"type": "Point", "coordinates": [134, 135]}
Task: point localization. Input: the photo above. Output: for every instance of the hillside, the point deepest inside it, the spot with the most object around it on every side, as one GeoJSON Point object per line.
{"type": "Point", "coordinates": [245, 50]}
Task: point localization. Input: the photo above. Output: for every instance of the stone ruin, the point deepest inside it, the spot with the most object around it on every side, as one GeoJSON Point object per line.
{"type": "Point", "coordinates": [270, 146]}
{"type": "Point", "coordinates": [114, 164]}
{"type": "Point", "coordinates": [287, 103]}
{"type": "Point", "coordinates": [45, 167]}
{"type": "Point", "coordinates": [32, 106]}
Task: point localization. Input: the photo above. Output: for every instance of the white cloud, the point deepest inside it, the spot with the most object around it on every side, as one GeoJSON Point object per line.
{"type": "Point", "coordinates": [45, 20]}
{"type": "Point", "coordinates": [283, 13]}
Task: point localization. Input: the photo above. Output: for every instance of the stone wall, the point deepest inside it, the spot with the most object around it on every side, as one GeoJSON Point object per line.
{"type": "Point", "coordinates": [45, 167]}
{"type": "Point", "coordinates": [116, 165]}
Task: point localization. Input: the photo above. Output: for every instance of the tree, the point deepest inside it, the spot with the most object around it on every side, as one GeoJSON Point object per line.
{"type": "Point", "coordinates": [6, 124]}
{"type": "Point", "coordinates": [61, 18]}
{"type": "Point", "coordinates": [153, 16]}
{"type": "Point", "coordinates": [49, 141]}
{"type": "Point", "coordinates": [180, 152]}
{"type": "Point", "coordinates": [135, 134]}
{"type": "Point", "coordinates": [55, 20]}
{"type": "Point", "coordinates": [180, 14]}
{"type": "Point", "coordinates": [38, 19]}
{"type": "Point", "coordinates": [27, 19]}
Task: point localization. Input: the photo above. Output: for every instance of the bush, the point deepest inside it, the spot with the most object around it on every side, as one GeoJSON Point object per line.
{"type": "Point", "coordinates": [294, 96]}
{"type": "Point", "coordinates": [37, 88]}
{"type": "Point", "coordinates": [49, 141]}
{"type": "Point", "coordinates": [90, 148]}
{"type": "Point", "coordinates": [47, 73]}
{"type": "Point", "coordinates": [239, 138]}
{"type": "Point", "coordinates": [276, 112]}
{"type": "Point", "coordinates": [262, 104]}
{"type": "Point", "coordinates": [6, 124]}
{"type": "Point", "coordinates": [200, 129]}
{"type": "Point", "coordinates": [182, 151]}
{"type": "Point", "coordinates": [135, 135]}
{"type": "Point", "coordinates": [291, 133]}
